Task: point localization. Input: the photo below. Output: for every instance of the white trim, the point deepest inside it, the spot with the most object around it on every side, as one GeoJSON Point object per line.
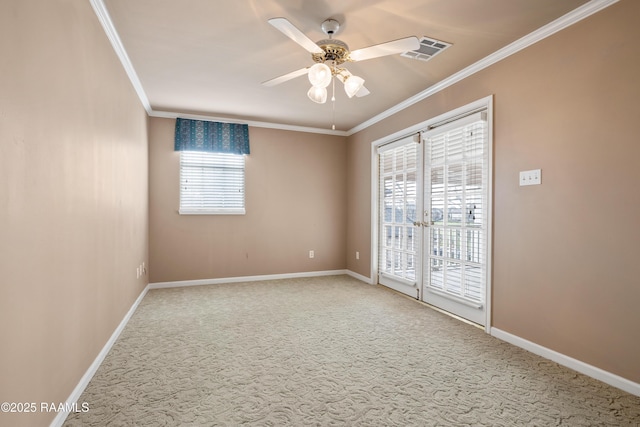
{"type": "Point", "coordinates": [110, 30]}
{"type": "Point", "coordinates": [553, 27]}
{"type": "Point", "coordinates": [577, 365]}
{"type": "Point", "coordinates": [86, 378]}
{"type": "Point", "coordinates": [455, 299]}
{"type": "Point", "coordinates": [489, 272]}
{"type": "Point", "coordinates": [569, 362]}
{"type": "Point", "coordinates": [375, 182]}
{"type": "Point", "coordinates": [399, 280]}
{"type": "Point", "coordinates": [102, 13]}
{"type": "Point", "coordinates": [456, 122]}
{"type": "Point", "coordinates": [409, 289]}
{"type": "Point", "coordinates": [252, 123]}
{"type": "Point", "coordinates": [486, 102]}
{"type": "Point", "coordinates": [408, 139]}
{"type": "Point", "coordinates": [360, 277]}
{"type": "Point", "coordinates": [201, 282]}
{"type": "Point", "coordinates": [239, 211]}
{"type": "Point", "coordinates": [541, 33]}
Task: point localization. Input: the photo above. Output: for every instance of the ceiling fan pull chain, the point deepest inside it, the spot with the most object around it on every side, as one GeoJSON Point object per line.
{"type": "Point", "coordinates": [333, 98]}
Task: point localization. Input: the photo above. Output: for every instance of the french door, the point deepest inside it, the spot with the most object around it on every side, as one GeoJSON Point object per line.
{"type": "Point", "coordinates": [400, 201]}
{"type": "Point", "coordinates": [456, 198]}
{"type": "Point", "coordinates": [434, 229]}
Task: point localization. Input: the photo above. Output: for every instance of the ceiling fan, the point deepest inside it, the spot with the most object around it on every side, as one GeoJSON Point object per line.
{"type": "Point", "coordinates": [335, 53]}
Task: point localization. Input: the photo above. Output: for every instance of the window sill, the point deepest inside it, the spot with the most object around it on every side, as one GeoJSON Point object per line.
{"type": "Point", "coordinates": [211, 211]}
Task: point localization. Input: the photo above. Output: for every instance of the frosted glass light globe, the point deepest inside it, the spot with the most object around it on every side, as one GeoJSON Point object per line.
{"type": "Point", "coordinates": [320, 75]}
{"type": "Point", "coordinates": [352, 85]}
{"type": "Point", "coordinates": [317, 94]}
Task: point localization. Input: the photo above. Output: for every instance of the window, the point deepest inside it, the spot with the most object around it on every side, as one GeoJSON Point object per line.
{"type": "Point", "coordinates": [211, 183]}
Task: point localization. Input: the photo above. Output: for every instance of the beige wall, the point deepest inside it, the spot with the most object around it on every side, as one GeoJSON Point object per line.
{"type": "Point", "coordinates": [566, 265]}
{"type": "Point", "coordinates": [73, 199]}
{"type": "Point", "coordinates": [74, 212]}
{"type": "Point", "coordinates": [295, 202]}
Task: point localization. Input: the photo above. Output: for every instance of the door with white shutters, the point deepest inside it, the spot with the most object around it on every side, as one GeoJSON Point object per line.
{"type": "Point", "coordinates": [456, 206]}
{"type": "Point", "coordinates": [400, 203]}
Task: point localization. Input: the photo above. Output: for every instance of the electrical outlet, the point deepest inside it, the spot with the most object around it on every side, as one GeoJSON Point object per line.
{"type": "Point", "coordinates": [312, 254]}
{"type": "Point", "coordinates": [532, 177]}
{"type": "Point", "coordinates": [357, 255]}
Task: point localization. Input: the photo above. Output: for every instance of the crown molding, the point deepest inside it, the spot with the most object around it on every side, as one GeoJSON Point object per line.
{"type": "Point", "coordinates": [107, 24]}
{"type": "Point", "coordinates": [102, 13]}
{"type": "Point", "coordinates": [252, 123]}
{"type": "Point", "coordinates": [541, 33]}
{"type": "Point", "coordinates": [559, 24]}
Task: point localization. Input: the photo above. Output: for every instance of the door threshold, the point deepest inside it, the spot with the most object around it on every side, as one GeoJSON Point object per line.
{"type": "Point", "coordinates": [433, 307]}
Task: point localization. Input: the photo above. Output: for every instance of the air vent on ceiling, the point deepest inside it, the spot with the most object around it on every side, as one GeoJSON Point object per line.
{"type": "Point", "coordinates": [427, 50]}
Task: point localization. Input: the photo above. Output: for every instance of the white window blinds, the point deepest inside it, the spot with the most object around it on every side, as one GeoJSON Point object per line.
{"type": "Point", "coordinates": [211, 183]}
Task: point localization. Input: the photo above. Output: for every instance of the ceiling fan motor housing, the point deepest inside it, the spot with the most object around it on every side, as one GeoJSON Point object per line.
{"type": "Point", "coordinates": [334, 50]}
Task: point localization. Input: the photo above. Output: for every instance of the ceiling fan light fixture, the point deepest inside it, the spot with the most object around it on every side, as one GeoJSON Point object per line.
{"type": "Point", "coordinates": [352, 85]}
{"type": "Point", "coordinates": [318, 94]}
{"type": "Point", "coordinates": [320, 75]}
{"type": "Point", "coordinates": [334, 52]}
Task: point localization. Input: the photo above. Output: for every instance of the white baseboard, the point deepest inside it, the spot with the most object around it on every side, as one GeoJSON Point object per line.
{"type": "Point", "coordinates": [584, 368]}
{"type": "Point", "coordinates": [86, 378]}
{"type": "Point", "coordinates": [360, 277]}
{"type": "Point", "coordinates": [177, 284]}
{"type": "Point", "coordinates": [577, 365]}
{"type": "Point", "coordinates": [84, 381]}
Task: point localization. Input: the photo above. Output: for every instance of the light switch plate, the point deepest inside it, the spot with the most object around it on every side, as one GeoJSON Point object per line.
{"type": "Point", "coordinates": [532, 177]}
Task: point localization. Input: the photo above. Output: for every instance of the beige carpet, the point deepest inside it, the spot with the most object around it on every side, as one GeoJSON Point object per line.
{"type": "Point", "coordinates": [328, 351]}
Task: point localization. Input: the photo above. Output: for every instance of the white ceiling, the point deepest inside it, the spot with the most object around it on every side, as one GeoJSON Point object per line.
{"type": "Point", "coordinates": [209, 57]}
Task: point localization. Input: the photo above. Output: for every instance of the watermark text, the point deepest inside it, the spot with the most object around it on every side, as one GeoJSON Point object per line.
{"type": "Point", "coordinates": [27, 407]}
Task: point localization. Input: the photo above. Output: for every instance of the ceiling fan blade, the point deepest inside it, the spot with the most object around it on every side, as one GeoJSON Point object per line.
{"type": "Point", "coordinates": [284, 78]}
{"type": "Point", "coordinates": [383, 49]}
{"type": "Point", "coordinates": [290, 30]}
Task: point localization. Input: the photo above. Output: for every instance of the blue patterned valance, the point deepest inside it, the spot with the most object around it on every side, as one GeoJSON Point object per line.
{"type": "Point", "coordinates": [213, 137]}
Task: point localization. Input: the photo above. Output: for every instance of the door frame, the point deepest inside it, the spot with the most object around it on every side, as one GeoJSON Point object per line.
{"type": "Point", "coordinates": [484, 103]}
